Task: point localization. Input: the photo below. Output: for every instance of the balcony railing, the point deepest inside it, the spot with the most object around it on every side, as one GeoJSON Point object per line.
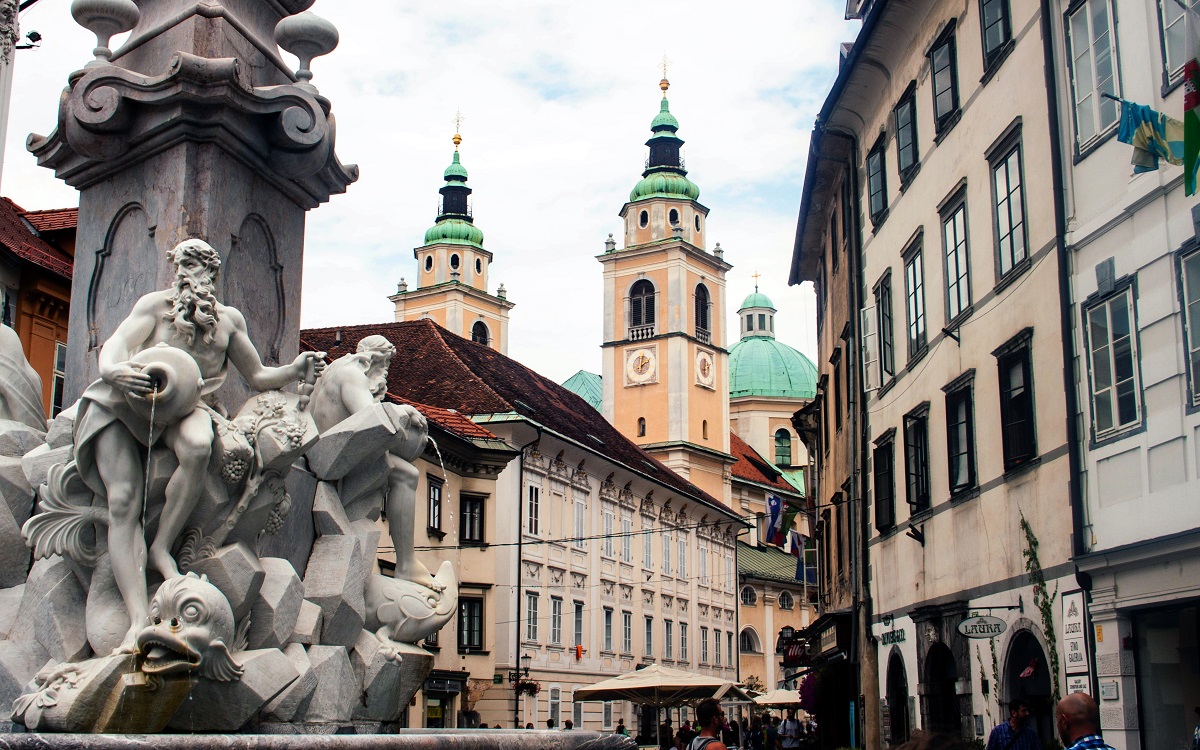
{"type": "Point", "coordinates": [705, 336]}
{"type": "Point", "coordinates": [639, 333]}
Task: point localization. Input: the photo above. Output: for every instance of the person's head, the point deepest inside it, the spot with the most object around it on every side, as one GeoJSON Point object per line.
{"type": "Point", "coordinates": [791, 713]}
{"type": "Point", "coordinates": [1018, 711]}
{"type": "Point", "coordinates": [568, 724]}
{"type": "Point", "coordinates": [755, 722]}
{"type": "Point", "coordinates": [549, 723]}
{"type": "Point", "coordinates": [193, 300]}
{"type": "Point", "coordinates": [709, 714]}
{"type": "Point", "coordinates": [775, 721]}
{"type": "Point", "coordinates": [380, 351]}
{"type": "Point", "coordinates": [1076, 716]}
{"type": "Point", "coordinates": [529, 725]}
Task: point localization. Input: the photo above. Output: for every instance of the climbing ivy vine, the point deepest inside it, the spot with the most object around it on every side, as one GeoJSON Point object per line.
{"type": "Point", "coordinates": [1043, 599]}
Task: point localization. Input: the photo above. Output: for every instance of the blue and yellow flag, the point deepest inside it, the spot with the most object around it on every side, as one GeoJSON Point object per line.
{"type": "Point", "coordinates": [1153, 136]}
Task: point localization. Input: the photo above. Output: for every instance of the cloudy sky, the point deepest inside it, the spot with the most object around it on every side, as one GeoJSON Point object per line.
{"type": "Point", "coordinates": [557, 99]}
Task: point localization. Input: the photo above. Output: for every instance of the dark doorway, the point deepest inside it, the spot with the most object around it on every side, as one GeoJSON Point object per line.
{"type": "Point", "coordinates": [941, 698]}
{"type": "Point", "coordinates": [897, 700]}
{"type": "Point", "coordinates": [1027, 676]}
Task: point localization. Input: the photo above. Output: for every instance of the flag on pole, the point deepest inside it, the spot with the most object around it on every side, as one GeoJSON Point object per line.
{"type": "Point", "coordinates": [774, 518]}
{"type": "Point", "coordinates": [796, 544]}
{"type": "Point", "coordinates": [1191, 102]}
{"type": "Point", "coordinates": [1153, 136]}
{"type": "Point", "coordinates": [788, 519]}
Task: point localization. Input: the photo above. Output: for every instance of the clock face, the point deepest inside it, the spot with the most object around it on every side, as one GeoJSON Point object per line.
{"type": "Point", "coordinates": [641, 365]}
{"type": "Point", "coordinates": [706, 369]}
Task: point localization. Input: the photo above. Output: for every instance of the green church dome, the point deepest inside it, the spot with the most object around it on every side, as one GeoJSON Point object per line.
{"type": "Point", "coordinates": [456, 171]}
{"type": "Point", "coordinates": [664, 119]}
{"type": "Point", "coordinates": [762, 366]}
{"type": "Point", "coordinates": [757, 299]}
{"type": "Point", "coordinates": [664, 185]}
{"type": "Point", "coordinates": [454, 232]}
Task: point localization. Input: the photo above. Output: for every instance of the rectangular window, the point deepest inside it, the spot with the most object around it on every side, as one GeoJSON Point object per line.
{"type": "Point", "coordinates": [578, 630]}
{"type": "Point", "coordinates": [435, 505]}
{"type": "Point", "coordinates": [1112, 348]}
{"type": "Point", "coordinates": [531, 616]}
{"type": "Point", "coordinates": [533, 511]}
{"type": "Point", "coordinates": [717, 647]}
{"type": "Point", "coordinates": [667, 543]}
{"type": "Point", "coordinates": [683, 627]}
{"type": "Point", "coordinates": [877, 182]}
{"type": "Point", "coordinates": [703, 645]}
{"type": "Point", "coordinates": [835, 249]}
{"type": "Point", "coordinates": [1016, 405]}
{"type": "Point", "coordinates": [580, 514]}
{"type": "Point", "coordinates": [649, 622]}
{"type": "Point", "coordinates": [883, 460]}
{"type": "Point", "coordinates": [627, 632]}
{"type": "Point", "coordinates": [1190, 283]}
{"type": "Point", "coordinates": [556, 604]}
{"type": "Point", "coordinates": [577, 712]}
{"type": "Point", "coordinates": [907, 156]}
{"type": "Point", "coordinates": [608, 629]}
{"type": "Point", "coordinates": [887, 340]}
{"type": "Point", "coordinates": [914, 294]}
{"type": "Point", "coordinates": [1175, 44]}
{"type": "Point", "coordinates": [960, 439]}
{"type": "Point", "coordinates": [703, 562]}
{"type": "Point", "coordinates": [944, 65]}
{"type": "Point", "coordinates": [997, 29]}
{"type": "Point", "coordinates": [916, 459]}
{"type": "Point", "coordinates": [626, 538]}
{"type": "Point", "coordinates": [729, 570]}
{"type": "Point", "coordinates": [471, 519]}
{"type": "Point", "coordinates": [1010, 211]}
{"type": "Point", "coordinates": [682, 555]}
{"type": "Point", "coordinates": [647, 545]}
{"type": "Point", "coordinates": [729, 648]}
{"type": "Point", "coordinates": [608, 532]}
{"type": "Point", "coordinates": [607, 723]}
{"type": "Point", "coordinates": [60, 378]}
{"type": "Point", "coordinates": [837, 390]}
{"type": "Point", "coordinates": [470, 624]}
{"type": "Point", "coordinates": [668, 638]}
{"type": "Point", "coordinates": [958, 274]}
{"type": "Point", "coordinates": [1093, 70]}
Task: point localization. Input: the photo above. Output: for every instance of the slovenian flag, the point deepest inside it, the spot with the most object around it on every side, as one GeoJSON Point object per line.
{"type": "Point", "coordinates": [774, 533]}
{"type": "Point", "coordinates": [796, 544]}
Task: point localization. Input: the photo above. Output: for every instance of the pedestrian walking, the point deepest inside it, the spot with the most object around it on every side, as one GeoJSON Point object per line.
{"type": "Point", "coordinates": [710, 718]}
{"type": "Point", "coordinates": [1078, 720]}
{"type": "Point", "coordinates": [1015, 734]}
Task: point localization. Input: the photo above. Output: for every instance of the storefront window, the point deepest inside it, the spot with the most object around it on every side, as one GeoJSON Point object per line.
{"type": "Point", "coordinates": [1168, 659]}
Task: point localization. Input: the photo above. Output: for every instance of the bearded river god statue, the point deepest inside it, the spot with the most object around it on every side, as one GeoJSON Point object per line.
{"type": "Point", "coordinates": [151, 605]}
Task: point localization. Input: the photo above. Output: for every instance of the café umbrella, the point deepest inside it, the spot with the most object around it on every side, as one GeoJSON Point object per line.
{"type": "Point", "coordinates": [661, 686]}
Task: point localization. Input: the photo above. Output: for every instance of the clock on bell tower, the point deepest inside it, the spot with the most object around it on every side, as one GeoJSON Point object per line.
{"type": "Point", "coordinates": [666, 368]}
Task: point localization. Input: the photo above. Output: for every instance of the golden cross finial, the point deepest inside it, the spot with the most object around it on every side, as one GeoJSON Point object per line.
{"type": "Point", "coordinates": [755, 276]}
{"type": "Point", "coordinates": [458, 120]}
{"type": "Point", "coordinates": [664, 84]}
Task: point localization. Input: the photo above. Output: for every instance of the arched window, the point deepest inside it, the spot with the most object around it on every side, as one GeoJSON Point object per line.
{"type": "Point", "coordinates": [702, 316]}
{"type": "Point", "coordinates": [641, 427]}
{"type": "Point", "coordinates": [479, 333]}
{"type": "Point", "coordinates": [643, 219]}
{"type": "Point", "coordinates": [454, 261]}
{"type": "Point", "coordinates": [673, 217]}
{"type": "Point", "coordinates": [748, 642]}
{"type": "Point", "coordinates": [479, 265]}
{"type": "Point", "coordinates": [428, 262]}
{"type": "Point", "coordinates": [783, 447]}
{"type": "Point", "coordinates": [749, 597]}
{"type": "Point", "coordinates": [641, 307]}
{"type": "Point", "coordinates": [785, 600]}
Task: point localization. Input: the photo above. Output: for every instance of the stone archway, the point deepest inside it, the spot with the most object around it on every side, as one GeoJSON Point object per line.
{"type": "Point", "coordinates": [897, 699]}
{"type": "Point", "coordinates": [941, 697]}
{"type": "Point", "coordinates": [1027, 675]}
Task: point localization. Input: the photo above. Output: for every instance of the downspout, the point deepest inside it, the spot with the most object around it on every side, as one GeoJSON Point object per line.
{"type": "Point", "coordinates": [520, 546]}
{"type": "Point", "coordinates": [1071, 388]}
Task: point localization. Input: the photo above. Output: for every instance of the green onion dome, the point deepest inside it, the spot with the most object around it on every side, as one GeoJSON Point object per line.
{"type": "Point", "coordinates": [456, 172]}
{"type": "Point", "coordinates": [665, 185]}
{"type": "Point", "coordinates": [454, 232]}
{"type": "Point", "coordinates": [757, 299]}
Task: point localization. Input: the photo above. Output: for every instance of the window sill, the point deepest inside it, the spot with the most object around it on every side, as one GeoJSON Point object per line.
{"type": "Point", "coordinates": [626, 655]}
{"type": "Point", "coordinates": [1114, 436]}
{"type": "Point", "coordinates": [437, 534]}
{"type": "Point", "coordinates": [473, 544]}
{"type": "Point", "coordinates": [607, 652]}
{"type": "Point", "coordinates": [919, 516]}
{"type": "Point", "coordinates": [473, 652]}
{"type": "Point", "coordinates": [990, 68]}
{"type": "Point", "coordinates": [436, 649]}
{"type": "Point", "coordinates": [1013, 274]}
{"type": "Point", "coordinates": [963, 495]}
{"type": "Point", "coordinates": [908, 175]}
{"type": "Point", "coordinates": [891, 382]}
{"type": "Point", "coordinates": [888, 531]}
{"type": "Point", "coordinates": [877, 221]}
{"type": "Point", "coordinates": [916, 356]}
{"type": "Point", "coordinates": [1021, 468]}
{"type": "Point", "coordinates": [958, 320]}
{"type": "Point", "coordinates": [1083, 152]}
{"type": "Point", "coordinates": [946, 125]}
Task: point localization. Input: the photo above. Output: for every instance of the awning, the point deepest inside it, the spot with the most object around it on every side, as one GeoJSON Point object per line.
{"type": "Point", "coordinates": [661, 686]}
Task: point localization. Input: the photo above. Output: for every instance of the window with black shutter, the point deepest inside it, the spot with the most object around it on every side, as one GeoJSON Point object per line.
{"type": "Point", "coordinates": [884, 459]}
{"type": "Point", "coordinates": [916, 458]}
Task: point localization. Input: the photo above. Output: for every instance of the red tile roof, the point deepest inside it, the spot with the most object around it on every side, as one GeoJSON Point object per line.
{"type": "Point", "coordinates": [17, 236]}
{"type": "Point", "coordinates": [752, 467]}
{"type": "Point", "coordinates": [440, 368]}
{"type": "Point", "coordinates": [451, 421]}
{"type": "Point", "coordinates": [53, 219]}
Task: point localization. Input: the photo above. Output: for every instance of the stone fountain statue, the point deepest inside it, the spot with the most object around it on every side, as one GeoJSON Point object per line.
{"type": "Point", "coordinates": [153, 507]}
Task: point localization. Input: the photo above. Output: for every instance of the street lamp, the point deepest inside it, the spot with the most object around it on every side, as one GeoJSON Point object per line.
{"type": "Point", "coordinates": [516, 676]}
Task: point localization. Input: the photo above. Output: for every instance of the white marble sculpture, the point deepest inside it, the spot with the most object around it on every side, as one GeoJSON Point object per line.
{"type": "Point", "coordinates": [20, 386]}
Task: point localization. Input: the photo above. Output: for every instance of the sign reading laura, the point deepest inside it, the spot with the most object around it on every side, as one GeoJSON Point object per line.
{"type": "Point", "coordinates": [982, 626]}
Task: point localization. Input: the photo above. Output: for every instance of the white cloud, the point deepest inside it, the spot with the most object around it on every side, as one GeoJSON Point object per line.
{"type": "Point", "coordinates": [558, 99]}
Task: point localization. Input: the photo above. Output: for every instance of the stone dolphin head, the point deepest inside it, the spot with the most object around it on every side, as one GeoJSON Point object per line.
{"type": "Point", "coordinates": [191, 629]}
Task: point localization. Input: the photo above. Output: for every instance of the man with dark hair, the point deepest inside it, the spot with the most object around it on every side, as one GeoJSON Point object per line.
{"type": "Point", "coordinates": [710, 718]}
{"type": "Point", "coordinates": [1078, 720]}
{"type": "Point", "coordinates": [1015, 734]}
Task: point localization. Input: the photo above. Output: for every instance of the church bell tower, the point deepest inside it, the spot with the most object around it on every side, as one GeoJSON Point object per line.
{"type": "Point", "coordinates": [666, 366]}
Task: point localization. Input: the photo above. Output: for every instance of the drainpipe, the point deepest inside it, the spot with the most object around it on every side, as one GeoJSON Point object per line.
{"type": "Point", "coordinates": [1066, 306]}
{"type": "Point", "coordinates": [520, 547]}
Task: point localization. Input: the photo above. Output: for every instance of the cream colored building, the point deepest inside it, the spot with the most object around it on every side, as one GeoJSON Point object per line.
{"type": "Point", "coordinates": [929, 197]}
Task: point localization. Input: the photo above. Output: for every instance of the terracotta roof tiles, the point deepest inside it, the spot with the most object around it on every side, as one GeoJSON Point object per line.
{"type": "Point", "coordinates": [19, 238]}
{"type": "Point", "coordinates": [53, 219]}
{"type": "Point", "coordinates": [752, 467]}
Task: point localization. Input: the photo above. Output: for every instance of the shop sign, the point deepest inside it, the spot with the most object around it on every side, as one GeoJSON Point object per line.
{"type": "Point", "coordinates": [443, 686]}
{"type": "Point", "coordinates": [1074, 633]}
{"type": "Point", "coordinates": [797, 654]}
{"type": "Point", "coordinates": [1079, 683]}
{"type": "Point", "coordinates": [893, 636]}
{"type": "Point", "coordinates": [828, 639]}
{"type": "Point", "coordinates": [982, 626]}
